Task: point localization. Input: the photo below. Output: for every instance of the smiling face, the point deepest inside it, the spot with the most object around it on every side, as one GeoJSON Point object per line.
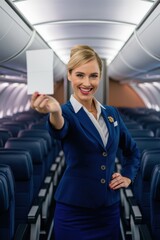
{"type": "Point", "coordinates": [85, 80]}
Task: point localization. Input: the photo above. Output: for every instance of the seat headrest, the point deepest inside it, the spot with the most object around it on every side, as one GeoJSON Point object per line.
{"type": "Point", "coordinates": [20, 163]}
{"type": "Point", "coordinates": [148, 161]}
{"type": "Point", "coordinates": [147, 143]}
{"type": "Point", "coordinates": [34, 146]}
{"type": "Point", "coordinates": [42, 133]}
{"type": "Point", "coordinates": [4, 193]}
{"type": "Point", "coordinates": [5, 134]}
{"type": "Point", "coordinates": [42, 140]}
{"type": "Point", "coordinates": [6, 170]}
{"type": "Point", "coordinates": [155, 183]}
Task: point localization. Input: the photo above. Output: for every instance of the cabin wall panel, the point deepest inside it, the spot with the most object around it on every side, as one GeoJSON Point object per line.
{"type": "Point", "coordinates": [122, 95]}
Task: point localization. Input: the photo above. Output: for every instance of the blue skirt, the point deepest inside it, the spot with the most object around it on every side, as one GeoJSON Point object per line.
{"type": "Point", "coordinates": [78, 223]}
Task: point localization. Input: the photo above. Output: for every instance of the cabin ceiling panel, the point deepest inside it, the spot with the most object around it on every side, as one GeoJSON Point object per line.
{"type": "Point", "coordinates": [83, 30]}
{"type": "Point", "coordinates": [57, 10]}
{"type": "Point", "coordinates": [84, 33]}
{"type": "Point", "coordinates": [77, 21]}
{"type": "Point", "coordinates": [106, 25]}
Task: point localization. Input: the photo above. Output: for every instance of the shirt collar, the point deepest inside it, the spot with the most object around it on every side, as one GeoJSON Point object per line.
{"type": "Point", "coordinates": [77, 105]}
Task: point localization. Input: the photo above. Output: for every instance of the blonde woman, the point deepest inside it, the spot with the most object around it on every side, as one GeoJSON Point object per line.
{"type": "Point", "coordinates": [87, 198]}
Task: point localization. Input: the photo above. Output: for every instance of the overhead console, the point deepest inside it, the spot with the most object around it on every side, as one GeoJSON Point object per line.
{"type": "Point", "coordinates": [140, 56]}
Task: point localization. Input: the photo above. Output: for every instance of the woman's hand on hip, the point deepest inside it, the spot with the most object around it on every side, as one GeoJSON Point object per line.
{"type": "Point", "coordinates": [118, 181]}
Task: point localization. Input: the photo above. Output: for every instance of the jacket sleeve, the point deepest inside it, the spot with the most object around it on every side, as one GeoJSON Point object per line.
{"type": "Point", "coordinates": [129, 154]}
{"type": "Point", "coordinates": [58, 133]}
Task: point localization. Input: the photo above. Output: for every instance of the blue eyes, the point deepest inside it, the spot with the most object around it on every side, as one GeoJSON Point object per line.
{"type": "Point", "coordinates": [79, 75]}
{"type": "Point", "coordinates": [91, 76]}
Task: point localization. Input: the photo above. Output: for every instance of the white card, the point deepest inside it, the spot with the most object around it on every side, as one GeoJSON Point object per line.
{"type": "Point", "coordinates": [40, 71]}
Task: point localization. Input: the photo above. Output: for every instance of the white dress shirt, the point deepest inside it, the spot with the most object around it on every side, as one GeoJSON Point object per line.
{"type": "Point", "coordinates": [99, 123]}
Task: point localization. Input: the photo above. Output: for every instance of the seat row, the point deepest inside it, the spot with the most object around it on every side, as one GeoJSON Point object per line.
{"type": "Point", "coordinates": [36, 164]}
{"type": "Point", "coordinates": [141, 201]}
{"type": "Point", "coordinates": [142, 119]}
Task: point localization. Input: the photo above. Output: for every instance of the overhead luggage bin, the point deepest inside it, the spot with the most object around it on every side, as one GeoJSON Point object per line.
{"type": "Point", "coordinates": [16, 37]}
{"type": "Point", "coordinates": [141, 54]}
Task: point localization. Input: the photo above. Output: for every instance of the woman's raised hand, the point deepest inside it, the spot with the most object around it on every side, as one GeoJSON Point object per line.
{"type": "Point", "coordinates": [44, 103]}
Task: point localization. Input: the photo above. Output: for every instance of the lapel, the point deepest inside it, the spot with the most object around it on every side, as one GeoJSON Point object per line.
{"type": "Point", "coordinates": [88, 125]}
{"type": "Point", "coordinates": [110, 125]}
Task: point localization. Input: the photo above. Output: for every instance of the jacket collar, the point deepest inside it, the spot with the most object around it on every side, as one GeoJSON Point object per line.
{"type": "Point", "coordinates": [87, 123]}
{"type": "Point", "coordinates": [77, 105]}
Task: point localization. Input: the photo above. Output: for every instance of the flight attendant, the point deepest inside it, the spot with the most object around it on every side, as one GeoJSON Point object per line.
{"type": "Point", "coordinates": [88, 195]}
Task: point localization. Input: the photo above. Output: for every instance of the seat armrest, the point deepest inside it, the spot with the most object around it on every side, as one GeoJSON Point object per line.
{"type": "Point", "coordinates": [128, 192]}
{"type": "Point", "coordinates": [136, 213]}
{"type": "Point", "coordinates": [34, 220]}
{"type": "Point", "coordinates": [33, 214]}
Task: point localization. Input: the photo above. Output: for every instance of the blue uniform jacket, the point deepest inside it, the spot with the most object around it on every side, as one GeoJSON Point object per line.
{"type": "Point", "coordinates": [89, 164]}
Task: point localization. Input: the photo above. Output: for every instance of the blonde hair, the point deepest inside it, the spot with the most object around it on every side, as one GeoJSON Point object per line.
{"type": "Point", "coordinates": [81, 54]}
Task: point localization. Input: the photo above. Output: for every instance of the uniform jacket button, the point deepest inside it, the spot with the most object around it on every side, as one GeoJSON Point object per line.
{"type": "Point", "coordinates": [103, 180]}
{"type": "Point", "coordinates": [103, 167]}
{"type": "Point", "coordinates": [104, 154]}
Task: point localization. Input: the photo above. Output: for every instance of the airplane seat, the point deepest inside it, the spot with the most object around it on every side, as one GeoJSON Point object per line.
{"type": "Point", "coordinates": [52, 176]}
{"type": "Point", "coordinates": [5, 134]}
{"type": "Point", "coordinates": [141, 189]}
{"type": "Point", "coordinates": [37, 152]}
{"type": "Point", "coordinates": [152, 125]}
{"type": "Point", "coordinates": [143, 143]}
{"type": "Point", "coordinates": [42, 125]}
{"type": "Point", "coordinates": [13, 127]}
{"type": "Point", "coordinates": [148, 118]}
{"type": "Point", "coordinates": [127, 120]}
{"type": "Point", "coordinates": [26, 117]}
{"type": "Point", "coordinates": [157, 132]}
{"type": "Point", "coordinates": [37, 133]}
{"type": "Point", "coordinates": [1, 143]}
{"type": "Point", "coordinates": [35, 146]}
{"type": "Point", "coordinates": [14, 122]}
{"type": "Point", "coordinates": [146, 143]}
{"type": "Point", "coordinates": [38, 125]}
{"type": "Point", "coordinates": [6, 119]}
{"type": "Point", "coordinates": [42, 133]}
{"type": "Point", "coordinates": [135, 115]}
{"type": "Point", "coordinates": [44, 147]}
{"type": "Point", "coordinates": [29, 114]}
{"type": "Point", "coordinates": [141, 133]}
{"type": "Point", "coordinates": [23, 123]}
{"type": "Point", "coordinates": [133, 125]}
{"type": "Point", "coordinates": [21, 165]}
{"type": "Point", "coordinates": [124, 116]}
{"type": "Point", "coordinates": [7, 203]}
{"type": "Point", "coordinates": [155, 203]}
